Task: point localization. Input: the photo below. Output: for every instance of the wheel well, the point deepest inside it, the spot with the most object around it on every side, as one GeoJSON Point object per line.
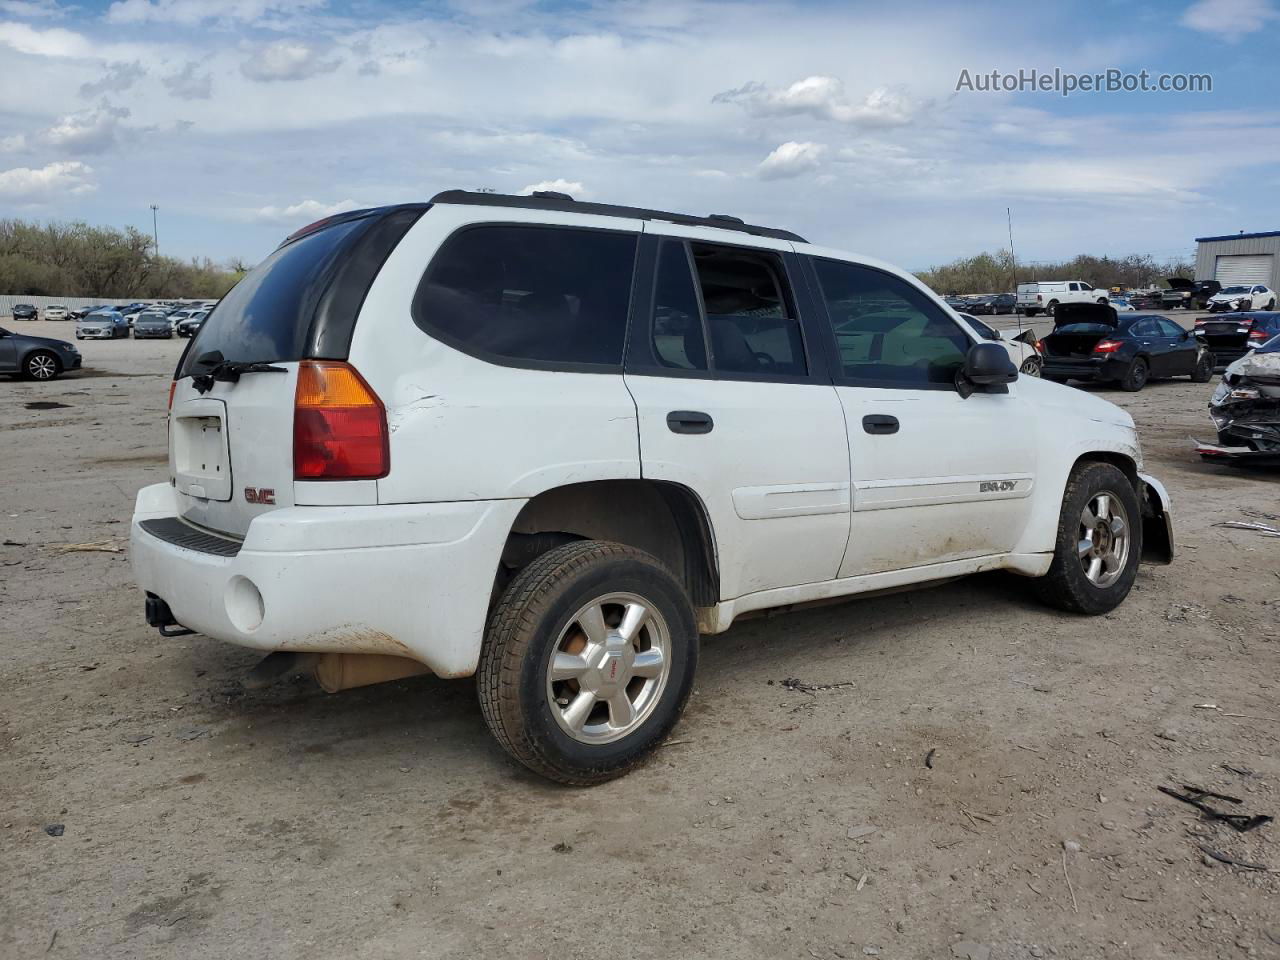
{"type": "Point", "coordinates": [666, 520]}
{"type": "Point", "coordinates": [1124, 464]}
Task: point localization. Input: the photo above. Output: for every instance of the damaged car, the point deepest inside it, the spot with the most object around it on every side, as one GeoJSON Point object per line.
{"type": "Point", "coordinates": [1230, 338]}
{"type": "Point", "coordinates": [1246, 410]}
{"type": "Point", "coordinates": [1254, 297]}
{"type": "Point", "coordinates": [1189, 294]}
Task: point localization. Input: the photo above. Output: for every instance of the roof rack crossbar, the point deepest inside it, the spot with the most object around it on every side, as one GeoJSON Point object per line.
{"type": "Point", "coordinates": [549, 200]}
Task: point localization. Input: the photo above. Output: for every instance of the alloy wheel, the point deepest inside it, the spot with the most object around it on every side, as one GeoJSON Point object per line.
{"type": "Point", "coordinates": [1103, 543]}
{"type": "Point", "coordinates": [42, 367]}
{"type": "Point", "coordinates": [608, 668]}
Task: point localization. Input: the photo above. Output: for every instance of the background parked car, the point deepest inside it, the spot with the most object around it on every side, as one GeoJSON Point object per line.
{"type": "Point", "coordinates": [56, 311]}
{"type": "Point", "coordinates": [1021, 346]}
{"type": "Point", "coordinates": [1191, 294]}
{"type": "Point", "coordinates": [152, 324]}
{"type": "Point", "coordinates": [102, 325]}
{"type": "Point", "coordinates": [38, 358]}
{"type": "Point", "coordinates": [1121, 305]}
{"type": "Point", "coordinates": [1230, 338]}
{"type": "Point", "coordinates": [1251, 297]}
{"type": "Point", "coordinates": [1093, 342]}
{"type": "Point", "coordinates": [992, 304]}
{"type": "Point", "coordinates": [25, 311]}
{"type": "Point", "coordinates": [188, 326]}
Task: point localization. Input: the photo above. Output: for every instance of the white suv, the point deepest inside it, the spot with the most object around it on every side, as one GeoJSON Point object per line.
{"type": "Point", "coordinates": [1045, 295]}
{"type": "Point", "coordinates": [550, 443]}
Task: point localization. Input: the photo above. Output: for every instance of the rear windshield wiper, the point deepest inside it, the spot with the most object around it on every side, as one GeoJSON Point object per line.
{"type": "Point", "coordinates": [227, 371]}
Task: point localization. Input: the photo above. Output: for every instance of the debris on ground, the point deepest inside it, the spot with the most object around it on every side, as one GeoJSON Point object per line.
{"type": "Point", "coordinates": [95, 546]}
{"type": "Point", "coordinates": [137, 738]}
{"type": "Point", "coordinates": [1223, 858]}
{"type": "Point", "coordinates": [1196, 796]}
{"type": "Point", "coordinates": [860, 831]}
{"type": "Point", "coordinates": [792, 683]}
{"type": "Point", "coordinates": [562, 847]}
{"type": "Point", "coordinates": [47, 405]}
{"type": "Point", "coordinates": [1263, 528]}
{"type": "Point", "coordinates": [928, 757]}
{"type": "Point", "coordinates": [55, 829]}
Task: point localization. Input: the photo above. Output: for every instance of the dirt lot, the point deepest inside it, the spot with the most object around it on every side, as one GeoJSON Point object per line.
{"type": "Point", "coordinates": [203, 822]}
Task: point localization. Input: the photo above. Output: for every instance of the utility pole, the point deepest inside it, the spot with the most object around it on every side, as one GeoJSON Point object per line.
{"type": "Point", "coordinates": [155, 230]}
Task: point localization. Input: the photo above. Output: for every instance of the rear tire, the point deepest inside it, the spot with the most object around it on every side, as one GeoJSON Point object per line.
{"type": "Point", "coordinates": [1031, 367]}
{"type": "Point", "coordinates": [1099, 542]}
{"type": "Point", "coordinates": [1271, 305]}
{"type": "Point", "coordinates": [1203, 371]}
{"type": "Point", "coordinates": [1031, 311]}
{"type": "Point", "coordinates": [620, 633]}
{"type": "Point", "coordinates": [1052, 308]}
{"type": "Point", "coordinates": [1136, 376]}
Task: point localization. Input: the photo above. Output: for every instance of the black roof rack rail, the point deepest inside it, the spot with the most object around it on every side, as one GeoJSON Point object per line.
{"type": "Point", "coordinates": [548, 200]}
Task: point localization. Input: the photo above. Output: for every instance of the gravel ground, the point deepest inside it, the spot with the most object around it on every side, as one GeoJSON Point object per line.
{"type": "Point", "coordinates": [979, 732]}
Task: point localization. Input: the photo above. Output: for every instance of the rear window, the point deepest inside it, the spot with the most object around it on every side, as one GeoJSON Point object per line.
{"type": "Point", "coordinates": [549, 297]}
{"type": "Point", "coordinates": [267, 315]}
{"type": "Point", "coordinates": [1085, 328]}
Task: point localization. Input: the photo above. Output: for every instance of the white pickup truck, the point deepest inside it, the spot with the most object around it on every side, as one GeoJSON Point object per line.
{"type": "Point", "coordinates": [1045, 295]}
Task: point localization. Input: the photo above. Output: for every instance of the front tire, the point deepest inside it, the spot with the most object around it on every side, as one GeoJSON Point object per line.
{"type": "Point", "coordinates": [1052, 308]}
{"type": "Point", "coordinates": [1271, 304]}
{"type": "Point", "coordinates": [1031, 367]}
{"type": "Point", "coordinates": [1099, 542]}
{"type": "Point", "coordinates": [41, 365]}
{"type": "Point", "coordinates": [588, 661]}
{"type": "Point", "coordinates": [1136, 376]}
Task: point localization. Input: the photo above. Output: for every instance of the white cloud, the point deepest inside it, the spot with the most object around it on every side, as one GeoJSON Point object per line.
{"type": "Point", "coordinates": [1230, 19]}
{"type": "Point", "coordinates": [25, 185]}
{"type": "Point", "coordinates": [303, 212]}
{"type": "Point", "coordinates": [89, 131]}
{"type": "Point", "coordinates": [54, 42]}
{"type": "Point", "coordinates": [193, 12]}
{"type": "Point", "coordinates": [574, 188]}
{"type": "Point", "coordinates": [31, 9]}
{"type": "Point", "coordinates": [790, 160]}
{"type": "Point", "coordinates": [188, 84]}
{"type": "Point", "coordinates": [119, 77]}
{"type": "Point", "coordinates": [13, 144]}
{"type": "Point", "coordinates": [824, 97]}
{"type": "Point", "coordinates": [286, 60]}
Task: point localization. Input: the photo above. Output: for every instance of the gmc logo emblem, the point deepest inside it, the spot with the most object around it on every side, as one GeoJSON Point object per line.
{"type": "Point", "coordinates": [259, 495]}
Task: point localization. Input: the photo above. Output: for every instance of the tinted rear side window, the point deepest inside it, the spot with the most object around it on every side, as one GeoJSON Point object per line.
{"type": "Point", "coordinates": [539, 296]}
{"type": "Point", "coordinates": [267, 315]}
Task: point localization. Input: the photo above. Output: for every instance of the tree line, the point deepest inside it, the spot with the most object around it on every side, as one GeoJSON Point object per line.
{"type": "Point", "coordinates": [996, 272]}
{"type": "Point", "coordinates": [78, 260]}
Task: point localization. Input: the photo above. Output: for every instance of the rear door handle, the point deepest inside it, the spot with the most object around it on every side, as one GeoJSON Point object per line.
{"type": "Point", "coordinates": [689, 421]}
{"type": "Point", "coordinates": [880, 423]}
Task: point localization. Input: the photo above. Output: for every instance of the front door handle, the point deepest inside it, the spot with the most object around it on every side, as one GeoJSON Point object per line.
{"type": "Point", "coordinates": [689, 421]}
{"type": "Point", "coordinates": [880, 423]}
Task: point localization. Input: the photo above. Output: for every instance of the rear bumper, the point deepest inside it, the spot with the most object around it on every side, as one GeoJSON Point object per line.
{"type": "Point", "coordinates": [410, 580]}
{"type": "Point", "coordinates": [1092, 368]}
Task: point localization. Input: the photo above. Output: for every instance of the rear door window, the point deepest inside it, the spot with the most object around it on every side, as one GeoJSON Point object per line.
{"type": "Point", "coordinates": [540, 296]}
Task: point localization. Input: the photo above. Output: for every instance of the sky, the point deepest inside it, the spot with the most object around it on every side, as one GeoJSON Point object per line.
{"type": "Point", "coordinates": [849, 123]}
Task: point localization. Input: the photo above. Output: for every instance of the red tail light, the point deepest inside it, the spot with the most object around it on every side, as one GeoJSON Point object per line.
{"type": "Point", "coordinates": [1039, 298]}
{"type": "Point", "coordinates": [339, 425]}
{"type": "Point", "coordinates": [1107, 346]}
{"type": "Point", "coordinates": [1259, 335]}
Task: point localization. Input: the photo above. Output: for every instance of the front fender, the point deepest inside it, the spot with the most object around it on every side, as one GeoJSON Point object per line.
{"type": "Point", "coordinates": [1157, 521]}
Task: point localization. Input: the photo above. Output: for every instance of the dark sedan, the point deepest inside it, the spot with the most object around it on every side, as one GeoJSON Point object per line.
{"type": "Point", "coordinates": [1231, 336]}
{"type": "Point", "coordinates": [151, 324]}
{"type": "Point", "coordinates": [25, 311]}
{"type": "Point", "coordinates": [1091, 341]}
{"type": "Point", "coordinates": [994, 304]}
{"type": "Point", "coordinates": [38, 358]}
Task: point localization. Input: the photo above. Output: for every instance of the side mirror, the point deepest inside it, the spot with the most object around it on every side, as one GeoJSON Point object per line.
{"type": "Point", "coordinates": [986, 366]}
